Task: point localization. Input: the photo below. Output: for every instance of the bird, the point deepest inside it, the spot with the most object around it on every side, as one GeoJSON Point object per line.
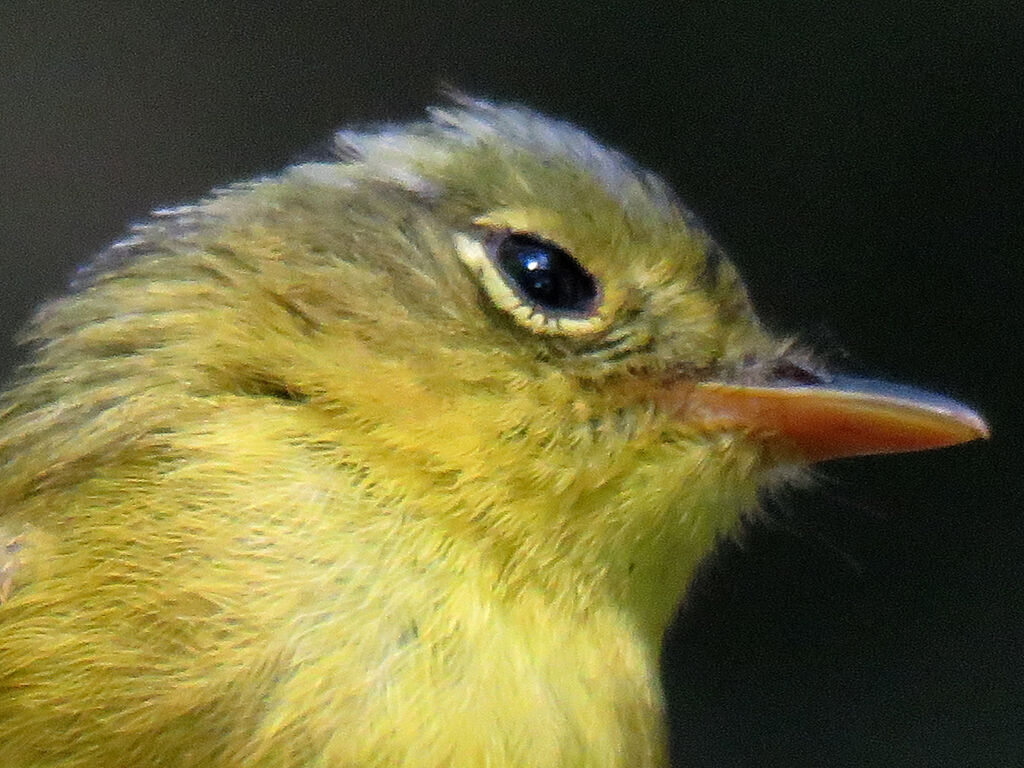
{"type": "Point", "coordinates": [400, 456]}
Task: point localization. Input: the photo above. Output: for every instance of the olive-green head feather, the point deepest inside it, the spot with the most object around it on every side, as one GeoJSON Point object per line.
{"type": "Point", "coordinates": [400, 458]}
{"type": "Point", "coordinates": [487, 317]}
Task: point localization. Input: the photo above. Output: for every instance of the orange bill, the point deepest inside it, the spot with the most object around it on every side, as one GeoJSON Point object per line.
{"type": "Point", "coordinates": [841, 417]}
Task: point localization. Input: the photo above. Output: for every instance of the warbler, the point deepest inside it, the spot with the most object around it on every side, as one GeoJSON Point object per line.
{"type": "Point", "coordinates": [400, 458]}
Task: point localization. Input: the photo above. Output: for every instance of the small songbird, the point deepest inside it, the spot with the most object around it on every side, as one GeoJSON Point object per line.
{"type": "Point", "coordinates": [402, 458]}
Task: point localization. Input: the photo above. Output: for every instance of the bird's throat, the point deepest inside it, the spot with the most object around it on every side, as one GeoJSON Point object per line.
{"type": "Point", "coordinates": [629, 541]}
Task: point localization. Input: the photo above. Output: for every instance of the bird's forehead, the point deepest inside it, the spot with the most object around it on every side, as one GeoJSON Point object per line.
{"type": "Point", "coordinates": [420, 157]}
{"type": "Point", "coordinates": [546, 139]}
{"type": "Point", "coordinates": [507, 167]}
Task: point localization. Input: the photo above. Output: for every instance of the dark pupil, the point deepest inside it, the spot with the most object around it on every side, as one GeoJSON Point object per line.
{"type": "Point", "coordinates": [545, 274]}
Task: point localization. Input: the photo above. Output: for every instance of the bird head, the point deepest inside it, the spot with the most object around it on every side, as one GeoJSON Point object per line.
{"type": "Point", "coordinates": [485, 318]}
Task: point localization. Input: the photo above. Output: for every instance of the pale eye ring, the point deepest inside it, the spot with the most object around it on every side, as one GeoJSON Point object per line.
{"type": "Point", "coordinates": [538, 283]}
{"type": "Point", "coordinates": [543, 274]}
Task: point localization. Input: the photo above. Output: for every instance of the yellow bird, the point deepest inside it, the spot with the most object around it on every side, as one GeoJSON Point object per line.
{"type": "Point", "coordinates": [404, 458]}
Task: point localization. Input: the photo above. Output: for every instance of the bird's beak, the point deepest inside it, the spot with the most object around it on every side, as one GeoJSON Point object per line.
{"type": "Point", "coordinates": [833, 419]}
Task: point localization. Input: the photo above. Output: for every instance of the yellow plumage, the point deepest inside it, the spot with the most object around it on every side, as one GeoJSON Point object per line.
{"type": "Point", "coordinates": [299, 476]}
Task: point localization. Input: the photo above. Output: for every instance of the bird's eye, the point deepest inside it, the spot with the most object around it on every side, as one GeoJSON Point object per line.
{"type": "Point", "coordinates": [544, 274]}
{"type": "Point", "coordinates": [535, 281]}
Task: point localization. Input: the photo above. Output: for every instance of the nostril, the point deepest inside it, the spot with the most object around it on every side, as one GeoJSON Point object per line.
{"type": "Point", "coordinates": [789, 372]}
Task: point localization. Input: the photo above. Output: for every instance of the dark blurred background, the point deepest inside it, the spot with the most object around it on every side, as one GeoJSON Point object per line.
{"type": "Point", "coordinates": [862, 163]}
